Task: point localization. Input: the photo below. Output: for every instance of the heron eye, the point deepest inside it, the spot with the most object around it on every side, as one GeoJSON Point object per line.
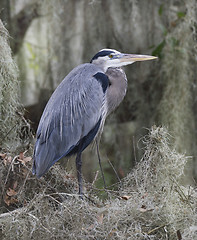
{"type": "Point", "coordinates": [110, 56]}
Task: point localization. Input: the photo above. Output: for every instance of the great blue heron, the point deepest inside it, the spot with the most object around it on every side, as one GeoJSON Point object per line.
{"type": "Point", "coordinates": [75, 114]}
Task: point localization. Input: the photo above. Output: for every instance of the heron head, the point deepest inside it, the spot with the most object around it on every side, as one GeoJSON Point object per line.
{"type": "Point", "coordinates": [107, 58]}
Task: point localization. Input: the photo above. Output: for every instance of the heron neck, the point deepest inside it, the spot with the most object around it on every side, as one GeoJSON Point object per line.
{"type": "Point", "coordinates": [117, 88]}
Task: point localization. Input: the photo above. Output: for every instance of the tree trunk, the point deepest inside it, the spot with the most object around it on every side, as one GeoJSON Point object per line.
{"type": "Point", "coordinates": [71, 32]}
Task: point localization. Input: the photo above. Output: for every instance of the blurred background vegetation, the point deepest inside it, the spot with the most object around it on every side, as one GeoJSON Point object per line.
{"type": "Point", "coordinates": [48, 38]}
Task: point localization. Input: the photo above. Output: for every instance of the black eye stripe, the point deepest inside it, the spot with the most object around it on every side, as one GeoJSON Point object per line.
{"type": "Point", "coordinates": [102, 54]}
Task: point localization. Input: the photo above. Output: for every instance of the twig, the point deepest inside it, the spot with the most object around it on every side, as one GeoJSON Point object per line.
{"type": "Point", "coordinates": [67, 194]}
{"type": "Point", "coordinates": [3, 189]}
{"type": "Point", "coordinates": [55, 200]}
{"type": "Point", "coordinates": [9, 214]}
{"type": "Point", "coordinates": [115, 172]}
{"type": "Point", "coordinates": [157, 228]}
{"type": "Point", "coordinates": [25, 180]}
{"type": "Point", "coordinates": [162, 226]}
{"type": "Point", "coordinates": [71, 195]}
{"type": "Point", "coordinates": [134, 150]}
{"type": "Point", "coordinates": [31, 215]}
{"type": "Point", "coordinates": [182, 195]}
{"type": "Point", "coordinates": [105, 189]}
{"type": "Point", "coordinates": [95, 178]}
{"type": "Point", "coordinates": [8, 132]}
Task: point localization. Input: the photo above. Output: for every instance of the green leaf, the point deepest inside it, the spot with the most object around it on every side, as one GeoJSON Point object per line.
{"type": "Point", "coordinates": [158, 50]}
{"type": "Point", "coordinates": [175, 42]}
{"type": "Point", "coordinates": [29, 47]}
{"type": "Point", "coordinates": [180, 14]}
{"type": "Point", "coordinates": [160, 11]}
{"type": "Point", "coordinates": [31, 51]}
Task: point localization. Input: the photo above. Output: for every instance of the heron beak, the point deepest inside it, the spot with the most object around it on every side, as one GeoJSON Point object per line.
{"type": "Point", "coordinates": [135, 58]}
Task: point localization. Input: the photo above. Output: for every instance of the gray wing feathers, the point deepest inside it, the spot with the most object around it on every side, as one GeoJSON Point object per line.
{"type": "Point", "coordinates": [73, 110]}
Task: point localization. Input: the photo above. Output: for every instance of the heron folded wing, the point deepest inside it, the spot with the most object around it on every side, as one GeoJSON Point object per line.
{"type": "Point", "coordinates": [71, 118]}
{"type": "Point", "coordinates": [41, 167]}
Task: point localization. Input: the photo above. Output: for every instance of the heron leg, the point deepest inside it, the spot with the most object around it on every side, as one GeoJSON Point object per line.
{"type": "Point", "coordinates": [98, 154]}
{"type": "Point", "coordinates": [79, 176]}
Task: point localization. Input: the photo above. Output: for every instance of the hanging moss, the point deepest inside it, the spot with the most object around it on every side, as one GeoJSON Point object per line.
{"type": "Point", "coordinates": [175, 109]}
{"type": "Point", "coordinates": [151, 204]}
{"type": "Point", "coordinates": [11, 119]}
